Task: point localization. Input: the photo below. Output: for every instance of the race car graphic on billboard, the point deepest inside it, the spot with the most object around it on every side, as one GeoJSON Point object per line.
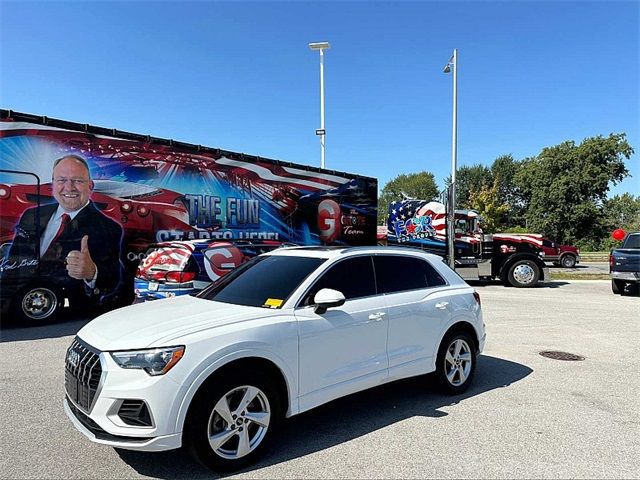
{"type": "Point", "coordinates": [144, 191]}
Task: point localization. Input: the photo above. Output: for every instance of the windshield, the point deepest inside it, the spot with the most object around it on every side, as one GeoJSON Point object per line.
{"type": "Point", "coordinates": [266, 281]}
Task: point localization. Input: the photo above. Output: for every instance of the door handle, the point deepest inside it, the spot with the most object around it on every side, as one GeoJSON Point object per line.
{"type": "Point", "coordinates": [442, 305]}
{"type": "Point", "coordinates": [377, 316]}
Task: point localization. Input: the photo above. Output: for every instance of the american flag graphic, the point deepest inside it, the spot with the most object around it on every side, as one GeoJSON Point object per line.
{"type": "Point", "coordinates": [411, 219]}
{"type": "Point", "coordinates": [419, 219]}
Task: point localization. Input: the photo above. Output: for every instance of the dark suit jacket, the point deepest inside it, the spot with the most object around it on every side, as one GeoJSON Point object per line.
{"type": "Point", "coordinates": [105, 246]}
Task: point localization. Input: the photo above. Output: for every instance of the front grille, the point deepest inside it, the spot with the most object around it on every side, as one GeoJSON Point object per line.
{"type": "Point", "coordinates": [82, 374]}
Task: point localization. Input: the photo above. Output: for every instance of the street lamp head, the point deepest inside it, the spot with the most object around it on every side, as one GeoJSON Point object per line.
{"type": "Point", "coordinates": [450, 64]}
{"type": "Point", "coordinates": [319, 46]}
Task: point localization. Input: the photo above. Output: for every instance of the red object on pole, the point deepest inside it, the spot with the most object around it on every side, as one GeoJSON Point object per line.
{"type": "Point", "coordinates": [618, 234]}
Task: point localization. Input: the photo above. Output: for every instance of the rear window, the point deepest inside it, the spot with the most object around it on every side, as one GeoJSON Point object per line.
{"type": "Point", "coordinates": [632, 241]}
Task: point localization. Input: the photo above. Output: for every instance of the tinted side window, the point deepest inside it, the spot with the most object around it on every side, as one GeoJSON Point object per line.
{"type": "Point", "coordinates": [353, 277]}
{"type": "Point", "coordinates": [434, 279]}
{"type": "Point", "coordinates": [397, 274]}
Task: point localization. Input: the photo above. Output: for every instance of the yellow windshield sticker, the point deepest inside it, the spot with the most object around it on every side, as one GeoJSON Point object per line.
{"type": "Point", "coordinates": [273, 303]}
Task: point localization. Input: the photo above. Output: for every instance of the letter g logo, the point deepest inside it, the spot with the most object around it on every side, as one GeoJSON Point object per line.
{"type": "Point", "coordinates": [328, 220]}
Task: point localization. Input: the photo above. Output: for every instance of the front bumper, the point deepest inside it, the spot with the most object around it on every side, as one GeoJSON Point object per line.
{"type": "Point", "coordinates": [626, 276]}
{"type": "Point", "coordinates": [146, 290]}
{"type": "Point", "coordinates": [102, 418]}
{"type": "Point", "coordinates": [95, 433]}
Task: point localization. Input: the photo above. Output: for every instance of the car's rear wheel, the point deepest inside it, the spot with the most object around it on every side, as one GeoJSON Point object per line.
{"type": "Point", "coordinates": [36, 305]}
{"type": "Point", "coordinates": [568, 261]}
{"type": "Point", "coordinates": [232, 419]}
{"type": "Point", "coordinates": [456, 363]}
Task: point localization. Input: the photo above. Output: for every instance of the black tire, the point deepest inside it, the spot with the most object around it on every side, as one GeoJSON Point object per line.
{"type": "Point", "coordinates": [523, 274]}
{"type": "Point", "coordinates": [568, 260]}
{"type": "Point", "coordinates": [617, 286]}
{"type": "Point", "coordinates": [204, 419]}
{"type": "Point", "coordinates": [450, 369]}
{"type": "Point", "coordinates": [36, 305]}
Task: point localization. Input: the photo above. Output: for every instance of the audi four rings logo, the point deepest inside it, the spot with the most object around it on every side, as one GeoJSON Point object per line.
{"type": "Point", "coordinates": [328, 220]}
{"type": "Point", "coordinates": [73, 358]}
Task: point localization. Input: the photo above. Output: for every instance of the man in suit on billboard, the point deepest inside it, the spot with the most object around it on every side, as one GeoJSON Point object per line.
{"type": "Point", "coordinates": [80, 248]}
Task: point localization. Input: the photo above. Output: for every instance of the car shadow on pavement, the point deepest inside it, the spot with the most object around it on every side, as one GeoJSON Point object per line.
{"type": "Point", "coordinates": [487, 283]}
{"type": "Point", "coordinates": [343, 420]}
{"type": "Point", "coordinates": [69, 325]}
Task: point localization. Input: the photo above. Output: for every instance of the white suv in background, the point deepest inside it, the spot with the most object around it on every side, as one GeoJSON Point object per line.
{"type": "Point", "coordinates": [284, 333]}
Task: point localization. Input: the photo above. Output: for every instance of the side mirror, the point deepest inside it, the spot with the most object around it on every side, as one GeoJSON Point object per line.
{"type": "Point", "coordinates": [327, 298]}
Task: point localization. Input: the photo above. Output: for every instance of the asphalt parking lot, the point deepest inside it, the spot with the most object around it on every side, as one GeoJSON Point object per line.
{"type": "Point", "coordinates": [526, 416]}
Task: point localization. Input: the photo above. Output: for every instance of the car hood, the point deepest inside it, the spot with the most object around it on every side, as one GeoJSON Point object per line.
{"type": "Point", "coordinates": [163, 321]}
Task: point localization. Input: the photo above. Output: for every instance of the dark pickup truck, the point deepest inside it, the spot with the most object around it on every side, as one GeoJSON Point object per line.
{"type": "Point", "coordinates": [624, 266]}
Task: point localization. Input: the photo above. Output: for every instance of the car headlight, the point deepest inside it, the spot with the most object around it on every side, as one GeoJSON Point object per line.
{"type": "Point", "coordinates": [154, 361]}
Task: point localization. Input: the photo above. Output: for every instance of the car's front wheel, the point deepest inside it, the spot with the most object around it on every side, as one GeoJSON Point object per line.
{"type": "Point", "coordinates": [456, 363]}
{"type": "Point", "coordinates": [232, 420]}
{"type": "Point", "coordinates": [523, 274]}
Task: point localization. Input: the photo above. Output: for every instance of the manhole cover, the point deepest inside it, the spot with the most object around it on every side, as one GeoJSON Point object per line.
{"type": "Point", "coordinates": [571, 357]}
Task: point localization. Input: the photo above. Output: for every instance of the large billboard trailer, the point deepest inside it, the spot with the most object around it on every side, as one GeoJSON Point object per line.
{"type": "Point", "coordinates": [74, 233]}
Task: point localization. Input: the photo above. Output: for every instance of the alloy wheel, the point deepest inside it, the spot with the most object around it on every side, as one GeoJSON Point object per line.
{"type": "Point", "coordinates": [239, 422]}
{"type": "Point", "coordinates": [458, 362]}
{"type": "Point", "coordinates": [39, 303]}
{"type": "Point", "coordinates": [524, 274]}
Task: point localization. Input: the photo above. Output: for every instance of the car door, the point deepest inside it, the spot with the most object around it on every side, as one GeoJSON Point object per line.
{"type": "Point", "coordinates": [344, 349]}
{"type": "Point", "coordinates": [418, 309]}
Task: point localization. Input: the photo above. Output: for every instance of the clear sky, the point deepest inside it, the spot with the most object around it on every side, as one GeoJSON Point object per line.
{"type": "Point", "coordinates": [239, 76]}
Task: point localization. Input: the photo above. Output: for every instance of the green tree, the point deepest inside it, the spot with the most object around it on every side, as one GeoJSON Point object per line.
{"type": "Point", "coordinates": [488, 204]}
{"type": "Point", "coordinates": [621, 211]}
{"type": "Point", "coordinates": [470, 178]}
{"type": "Point", "coordinates": [421, 186]}
{"type": "Point", "coordinates": [565, 186]}
{"type": "Point", "coordinates": [504, 170]}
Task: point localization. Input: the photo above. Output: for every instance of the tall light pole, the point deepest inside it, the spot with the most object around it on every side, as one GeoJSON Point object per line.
{"type": "Point", "coordinates": [451, 233]}
{"type": "Point", "coordinates": [321, 46]}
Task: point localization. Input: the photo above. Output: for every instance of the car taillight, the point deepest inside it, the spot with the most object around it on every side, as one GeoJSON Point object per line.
{"type": "Point", "coordinates": [180, 277]}
{"type": "Point", "coordinates": [612, 260]}
{"type": "Point", "coordinates": [126, 207]}
{"type": "Point", "coordinates": [476, 295]}
{"type": "Point", "coordinates": [143, 211]}
{"type": "Point", "coordinates": [5, 192]}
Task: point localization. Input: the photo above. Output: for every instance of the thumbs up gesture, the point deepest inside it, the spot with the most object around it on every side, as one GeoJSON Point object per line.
{"type": "Point", "coordinates": [79, 263]}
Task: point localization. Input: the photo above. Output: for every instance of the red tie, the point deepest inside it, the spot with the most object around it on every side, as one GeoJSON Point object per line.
{"type": "Point", "coordinates": [64, 221]}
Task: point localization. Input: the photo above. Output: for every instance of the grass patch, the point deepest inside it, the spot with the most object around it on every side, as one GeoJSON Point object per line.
{"type": "Point", "coordinates": [579, 276]}
{"type": "Point", "coordinates": [594, 256]}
